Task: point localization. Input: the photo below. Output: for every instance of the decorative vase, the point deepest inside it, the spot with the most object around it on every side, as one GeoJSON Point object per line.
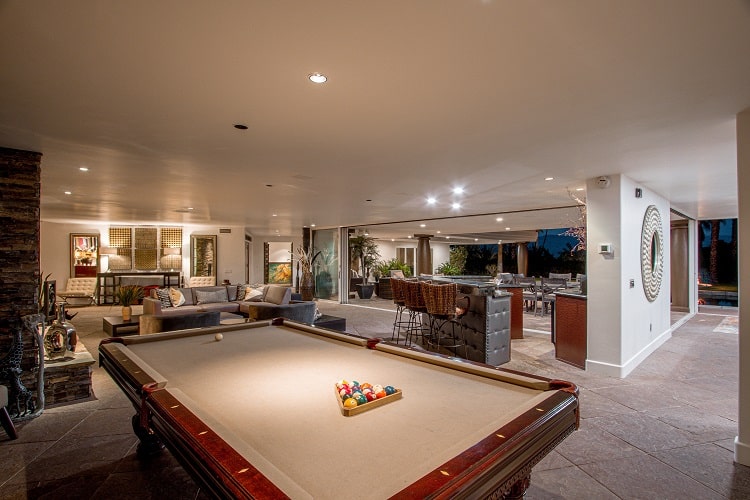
{"type": "Point", "coordinates": [126, 312]}
{"type": "Point", "coordinates": [307, 286]}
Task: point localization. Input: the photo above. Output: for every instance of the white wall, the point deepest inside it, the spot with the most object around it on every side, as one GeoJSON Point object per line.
{"type": "Point", "coordinates": [742, 441]}
{"type": "Point", "coordinates": [623, 326]}
{"type": "Point", "coordinates": [55, 249]}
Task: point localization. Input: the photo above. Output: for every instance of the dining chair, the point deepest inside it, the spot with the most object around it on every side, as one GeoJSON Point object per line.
{"type": "Point", "coordinates": [549, 287]}
{"type": "Point", "coordinates": [531, 293]}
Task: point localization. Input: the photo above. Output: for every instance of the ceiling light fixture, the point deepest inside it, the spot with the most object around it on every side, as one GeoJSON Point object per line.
{"type": "Point", "coordinates": [580, 189]}
{"type": "Point", "coordinates": [548, 178]}
{"type": "Point", "coordinates": [458, 190]}
{"type": "Point", "coordinates": [431, 200]}
{"type": "Point", "coordinates": [317, 78]}
{"type": "Point", "coordinates": [499, 219]}
{"type": "Point", "coordinates": [456, 206]}
{"type": "Point", "coordinates": [423, 225]}
{"type": "Point", "coordinates": [83, 169]}
{"type": "Point", "coordinates": [240, 126]}
{"type": "Point", "coordinates": [507, 229]}
{"type": "Point", "coordinates": [68, 192]}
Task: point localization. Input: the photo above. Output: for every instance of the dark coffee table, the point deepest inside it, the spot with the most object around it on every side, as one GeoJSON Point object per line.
{"type": "Point", "coordinates": [331, 322]}
{"type": "Point", "coordinates": [113, 323]}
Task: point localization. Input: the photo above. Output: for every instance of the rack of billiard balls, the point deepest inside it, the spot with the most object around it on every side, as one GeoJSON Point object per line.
{"type": "Point", "coordinates": [355, 398]}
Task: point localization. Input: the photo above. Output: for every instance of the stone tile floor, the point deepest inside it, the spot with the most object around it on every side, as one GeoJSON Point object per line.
{"type": "Point", "coordinates": [665, 431]}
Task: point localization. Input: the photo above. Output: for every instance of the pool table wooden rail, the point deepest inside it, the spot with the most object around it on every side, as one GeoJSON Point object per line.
{"type": "Point", "coordinates": [497, 466]}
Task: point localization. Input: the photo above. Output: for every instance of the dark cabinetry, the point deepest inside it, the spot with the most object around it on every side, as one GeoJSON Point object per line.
{"type": "Point", "coordinates": [569, 332]}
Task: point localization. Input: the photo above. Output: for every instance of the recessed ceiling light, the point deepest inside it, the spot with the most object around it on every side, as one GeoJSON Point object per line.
{"type": "Point", "coordinates": [409, 236]}
{"type": "Point", "coordinates": [190, 208]}
{"type": "Point", "coordinates": [317, 78]}
{"type": "Point", "coordinates": [447, 237]}
{"type": "Point", "coordinates": [548, 178]}
{"type": "Point", "coordinates": [458, 190]}
{"type": "Point", "coordinates": [83, 169]}
{"type": "Point", "coordinates": [368, 201]}
{"type": "Point", "coordinates": [393, 239]}
{"type": "Point", "coordinates": [423, 225]}
{"type": "Point", "coordinates": [456, 206]}
{"type": "Point", "coordinates": [273, 215]}
{"type": "Point", "coordinates": [580, 189]}
{"type": "Point", "coordinates": [312, 225]}
{"type": "Point", "coordinates": [507, 229]}
{"type": "Point", "coordinates": [431, 200]}
{"type": "Point", "coordinates": [499, 219]}
{"type": "Point", "coordinates": [68, 192]}
{"type": "Point", "coordinates": [240, 126]}
{"type": "Point", "coordinates": [438, 232]}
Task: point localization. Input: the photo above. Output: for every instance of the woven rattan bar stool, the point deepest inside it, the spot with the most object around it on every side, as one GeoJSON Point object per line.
{"type": "Point", "coordinates": [399, 298]}
{"type": "Point", "coordinates": [442, 309]}
{"type": "Point", "coordinates": [414, 303]}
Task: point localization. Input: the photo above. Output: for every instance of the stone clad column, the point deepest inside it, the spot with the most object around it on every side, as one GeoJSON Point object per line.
{"type": "Point", "coordinates": [19, 249]}
{"type": "Point", "coordinates": [424, 256]}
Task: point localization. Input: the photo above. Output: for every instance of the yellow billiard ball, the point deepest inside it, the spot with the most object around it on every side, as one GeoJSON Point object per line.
{"type": "Point", "coordinates": [218, 337]}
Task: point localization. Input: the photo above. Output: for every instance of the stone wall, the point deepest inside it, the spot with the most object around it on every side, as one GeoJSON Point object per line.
{"type": "Point", "coordinates": [19, 249]}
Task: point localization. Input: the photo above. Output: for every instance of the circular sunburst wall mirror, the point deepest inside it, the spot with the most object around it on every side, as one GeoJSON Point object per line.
{"type": "Point", "coordinates": [652, 262]}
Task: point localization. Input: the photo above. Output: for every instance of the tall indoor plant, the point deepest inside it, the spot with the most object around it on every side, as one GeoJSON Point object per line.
{"type": "Point", "coordinates": [364, 249]}
{"type": "Point", "coordinates": [306, 281]}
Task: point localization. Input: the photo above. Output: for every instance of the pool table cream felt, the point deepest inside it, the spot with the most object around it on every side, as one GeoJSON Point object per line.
{"type": "Point", "coordinates": [267, 392]}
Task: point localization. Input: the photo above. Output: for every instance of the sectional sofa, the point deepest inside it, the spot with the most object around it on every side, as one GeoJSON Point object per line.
{"type": "Point", "coordinates": [177, 308]}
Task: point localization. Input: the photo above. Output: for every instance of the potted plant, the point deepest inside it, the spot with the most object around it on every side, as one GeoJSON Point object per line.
{"type": "Point", "coordinates": [364, 249]}
{"type": "Point", "coordinates": [383, 270]}
{"type": "Point", "coordinates": [306, 281]}
{"type": "Point", "coordinates": [127, 296]}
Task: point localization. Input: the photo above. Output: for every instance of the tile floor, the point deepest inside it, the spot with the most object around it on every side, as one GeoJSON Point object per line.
{"type": "Point", "coordinates": [665, 431]}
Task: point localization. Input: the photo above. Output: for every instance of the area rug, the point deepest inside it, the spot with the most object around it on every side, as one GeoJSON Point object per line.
{"type": "Point", "coordinates": [728, 325]}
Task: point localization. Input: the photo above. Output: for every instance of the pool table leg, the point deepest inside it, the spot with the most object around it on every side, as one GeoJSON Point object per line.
{"type": "Point", "coordinates": [150, 444]}
{"type": "Point", "coordinates": [518, 490]}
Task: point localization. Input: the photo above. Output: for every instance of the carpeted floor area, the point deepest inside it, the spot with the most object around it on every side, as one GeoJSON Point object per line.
{"type": "Point", "coordinates": [665, 431]}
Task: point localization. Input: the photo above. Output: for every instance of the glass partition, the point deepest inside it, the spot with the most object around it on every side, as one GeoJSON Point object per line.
{"type": "Point", "coordinates": [326, 265]}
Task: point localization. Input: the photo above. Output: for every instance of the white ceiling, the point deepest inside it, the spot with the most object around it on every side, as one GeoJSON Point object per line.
{"type": "Point", "coordinates": [422, 96]}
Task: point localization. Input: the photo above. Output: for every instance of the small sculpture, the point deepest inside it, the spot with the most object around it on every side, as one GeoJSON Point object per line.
{"type": "Point", "coordinates": [10, 368]}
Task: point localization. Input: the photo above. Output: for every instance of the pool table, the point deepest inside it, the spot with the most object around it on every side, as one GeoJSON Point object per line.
{"type": "Point", "coordinates": [256, 415]}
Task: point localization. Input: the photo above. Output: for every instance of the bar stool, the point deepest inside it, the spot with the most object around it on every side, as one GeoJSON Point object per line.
{"type": "Point", "coordinates": [442, 309]}
{"type": "Point", "coordinates": [5, 420]}
{"type": "Point", "coordinates": [399, 298]}
{"type": "Point", "coordinates": [414, 303]}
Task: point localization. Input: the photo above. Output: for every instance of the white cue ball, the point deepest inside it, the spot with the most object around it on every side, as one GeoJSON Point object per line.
{"type": "Point", "coordinates": [218, 337]}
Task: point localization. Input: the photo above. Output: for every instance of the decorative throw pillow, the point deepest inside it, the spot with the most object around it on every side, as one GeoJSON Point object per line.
{"type": "Point", "coordinates": [253, 294]}
{"type": "Point", "coordinates": [163, 295]}
{"type": "Point", "coordinates": [210, 297]}
{"type": "Point", "coordinates": [276, 294]}
{"type": "Point", "coordinates": [176, 297]}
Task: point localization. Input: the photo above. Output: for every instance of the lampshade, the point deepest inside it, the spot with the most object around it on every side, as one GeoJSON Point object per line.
{"type": "Point", "coordinates": [108, 251]}
{"type": "Point", "coordinates": [172, 251]}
